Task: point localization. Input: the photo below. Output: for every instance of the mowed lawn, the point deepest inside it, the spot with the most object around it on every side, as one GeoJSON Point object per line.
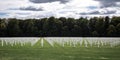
{"type": "Point", "coordinates": [61, 54]}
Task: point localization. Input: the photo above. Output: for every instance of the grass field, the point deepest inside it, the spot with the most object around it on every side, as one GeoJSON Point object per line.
{"type": "Point", "coordinates": [44, 49]}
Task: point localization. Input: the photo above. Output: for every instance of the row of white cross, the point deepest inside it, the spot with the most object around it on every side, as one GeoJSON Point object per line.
{"type": "Point", "coordinates": [71, 41]}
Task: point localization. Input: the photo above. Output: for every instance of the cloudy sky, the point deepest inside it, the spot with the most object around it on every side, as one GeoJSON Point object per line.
{"type": "Point", "coordinates": [58, 8]}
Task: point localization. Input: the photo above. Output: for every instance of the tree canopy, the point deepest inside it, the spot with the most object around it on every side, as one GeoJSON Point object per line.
{"type": "Point", "coordinates": [61, 27]}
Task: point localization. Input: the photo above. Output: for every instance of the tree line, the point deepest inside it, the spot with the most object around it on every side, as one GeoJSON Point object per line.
{"type": "Point", "coordinates": [61, 27]}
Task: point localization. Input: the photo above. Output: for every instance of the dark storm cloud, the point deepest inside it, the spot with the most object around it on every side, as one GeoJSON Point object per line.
{"type": "Point", "coordinates": [31, 8]}
{"type": "Point", "coordinates": [108, 3]}
{"type": "Point", "coordinates": [90, 13]}
{"type": "Point", "coordinates": [94, 12]}
{"type": "Point", "coordinates": [98, 12]}
{"type": "Point", "coordinates": [110, 12]}
{"type": "Point", "coordinates": [107, 12]}
{"type": "Point", "coordinates": [45, 1]}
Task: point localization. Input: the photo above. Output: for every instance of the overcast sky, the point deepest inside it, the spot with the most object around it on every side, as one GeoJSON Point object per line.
{"type": "Point", "coordinates": [58, 8]}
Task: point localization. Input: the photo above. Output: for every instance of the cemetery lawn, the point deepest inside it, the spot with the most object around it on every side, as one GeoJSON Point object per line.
{"type": "Point", "coordinates": [60, 53]}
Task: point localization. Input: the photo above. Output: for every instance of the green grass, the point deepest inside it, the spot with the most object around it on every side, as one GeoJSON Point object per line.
{"type": "Point", "coordinates": [27, 51]}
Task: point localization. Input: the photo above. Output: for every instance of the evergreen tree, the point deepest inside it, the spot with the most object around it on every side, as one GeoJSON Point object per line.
{"type": "Point", "coordinates": [111, 31]}
{"type": "Point", "coordinates": [95, 34]}
{"type": "Point", "coordinates": [76, 31]}
{"type": "Point", "coordinates": [29, 28]}
{"type": "Point", "coordinates": [99, 26]}
{"type": "Point", "coordinates": [2, 28]}
{"type": "Point", "coordinates": [13, 28]}
{"type": "Point", "coordinates": [118, 30]}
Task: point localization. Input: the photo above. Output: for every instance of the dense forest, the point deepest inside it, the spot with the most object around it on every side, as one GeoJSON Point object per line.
{"type": "Point", "coordinates": [61, 27]}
